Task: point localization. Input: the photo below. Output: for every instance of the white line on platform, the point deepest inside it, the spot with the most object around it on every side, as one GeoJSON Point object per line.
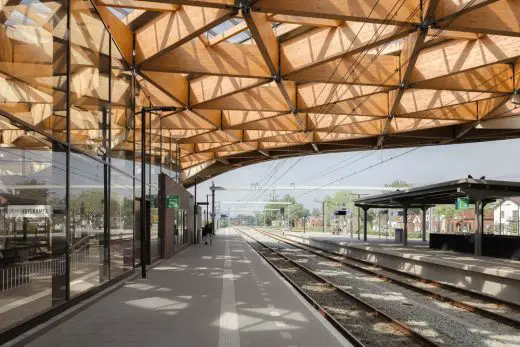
{"type": "Point", "coordinates": [228, 332]}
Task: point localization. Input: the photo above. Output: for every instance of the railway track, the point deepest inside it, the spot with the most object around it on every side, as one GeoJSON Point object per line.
{"type": "Point", "coordinates": [441, 316]}
{"type": "Point", "coordinates": [506, 313]}
{"type": "Point", "coordinates": [361, 323]}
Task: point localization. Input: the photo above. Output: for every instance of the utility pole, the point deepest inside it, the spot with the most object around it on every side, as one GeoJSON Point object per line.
{"type": "Point", "coordinates": [323, 209]}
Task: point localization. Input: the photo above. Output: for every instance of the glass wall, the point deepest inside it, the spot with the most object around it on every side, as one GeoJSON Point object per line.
{"type": "Point", "coordinates": [67, 137]}
{"type": "Point", "coordinates": [71, 154]}
{"type": "Point", "coordinates": [88, 239]}
{"type": "Point", "coordinates": [32, 223]}
{"type": "Point", "coordinates": [121, 222]}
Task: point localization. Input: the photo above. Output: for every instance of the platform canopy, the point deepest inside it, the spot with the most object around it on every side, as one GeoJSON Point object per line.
{"type": "Point", "coordinates": [443, 193]}
{"type": "Point", "coordinates": [256, 80]}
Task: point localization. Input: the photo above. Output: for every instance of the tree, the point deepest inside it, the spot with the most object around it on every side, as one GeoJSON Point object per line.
{"type": "Point", "coordinates": [316, 212]}
{"type": "Point", "coordinates": [398, 183]}
{"type": "Point", "coordinates": [447, 211]}
{"type": "Point", "coordinates": [292, 211]}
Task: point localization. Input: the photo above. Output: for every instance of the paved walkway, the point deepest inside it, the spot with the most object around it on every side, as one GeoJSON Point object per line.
{"type": "Point", "coordinates": [222, 295]}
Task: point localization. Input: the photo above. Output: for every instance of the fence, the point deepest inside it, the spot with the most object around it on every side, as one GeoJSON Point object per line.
{"type": "Point", "coordinates": [24, 273]}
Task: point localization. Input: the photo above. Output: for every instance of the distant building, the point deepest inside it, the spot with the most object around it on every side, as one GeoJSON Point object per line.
{"type": "Point", "coordinates": [506, 216]}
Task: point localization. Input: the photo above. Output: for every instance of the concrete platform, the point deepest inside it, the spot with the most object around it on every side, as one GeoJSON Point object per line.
{"type": "Point", "coordinates": [492, 276]}
{"type": "Point", "coordinates": [219, 295]}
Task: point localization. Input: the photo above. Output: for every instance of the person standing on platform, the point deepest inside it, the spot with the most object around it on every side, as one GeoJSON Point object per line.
{"type": "Point", "coordinates": [207, 233]}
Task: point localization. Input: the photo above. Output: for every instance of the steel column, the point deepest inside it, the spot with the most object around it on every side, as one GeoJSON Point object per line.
{"type": "Point", "coordinates": [207, 208]}
{"type": "Point", "coordinates": [405, 226]}
{"type": "Point", "coordinates": [213, 215]}
{"type": "Point", "coordinates": [195, 234]}
{"type": "Point", "coordinates": [323, 211]}
{"type": "Point", "coordinates": [365, 223]}
{"type": "Point", "coordinates": [143, 193]}
{"type": "Point", "coordinates": [479, 215]}
{"type": "Point", "coordinates": [424, 209]}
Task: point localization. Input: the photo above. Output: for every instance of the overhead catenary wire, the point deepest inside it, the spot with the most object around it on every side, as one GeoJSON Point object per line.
{"type": "Point", "coordinates": [379, 51]}
{"type": "Point", "coordinates": [359, 171]}
{"type": "Point", "coordinates": [352, 42]}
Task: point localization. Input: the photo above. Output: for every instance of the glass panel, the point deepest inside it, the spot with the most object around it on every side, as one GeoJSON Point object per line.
{"type": "Point", "coordinates": [89, 81]}
{"type": "Point", "coordinates": [155, 241]}
{"type": "Point", "coordinates": [32, 223]}
{"type": "Point", "coordinates": [87, 204]}
{"type": "Point", "coordinates": [121, 223]}
{"type": "Point", "coordinates": [122, 121]}
{"type": "Point", "coordinates": [180, 227]}
{"type": "Point", "coordinates": [33, 65]}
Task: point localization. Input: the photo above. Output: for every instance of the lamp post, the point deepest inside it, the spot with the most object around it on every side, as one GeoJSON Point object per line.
{"type": "Point", "coordinates": [207, 208]}
{"type": "Point", "coordinates": [213, 188]}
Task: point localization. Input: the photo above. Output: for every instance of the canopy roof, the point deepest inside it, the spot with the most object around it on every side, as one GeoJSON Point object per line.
{"type": "Point", "coordinates": [256, 80]}
{"type": "Point", "coordinates": [443, 193]}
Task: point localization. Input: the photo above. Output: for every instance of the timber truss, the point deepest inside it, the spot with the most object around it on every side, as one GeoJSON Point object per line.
{"type": "Point", "coordinates": [266, 79]}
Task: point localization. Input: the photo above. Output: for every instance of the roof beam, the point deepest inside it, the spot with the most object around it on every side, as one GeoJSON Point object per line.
{"type": "Point", "coordinates": [318, 22]}
{"type": "Point", "coordinates": [457, 56]}
{"type": "Point", "coordinates": [262, 32]}
{"type": "Point", "coordinates": [121, 34]}
{"type": "Point", "coordinates": [416, 100]}
{"type": "Point", "coordinates": [372, 11]}
{"type": "Point", "coordinates": [366, 69]}
{"type": "Point", "coordinates": [224, 59]}
{"type": "Point", "coordinates": [449, 9]}
{"type": "Point", "coordinates": [494, 78]}
{"type": "Point", "coordinates": [371, 105]}
{"type": "Point", "coordinates": [322, 45]}
{"type": "Point", "coordinates": [485, 107]}
{"type": "Point", "coordinates": [202, 3]}
{"type": "Point", "coordinates": [412, 46]}
{"type": "Point", "coordinates": [171, 30]}
{"type": "Point", "coordinates": [210, 88]}
{"type": "Point", "coordinates": [262, 98]}
{"type": "Point", "coordinates": [317, 94]}
{"type": "Point", "coordinates": [498, 17]}
{"type": "Point", "coordinates": [140, 5]}
{"type": "Point", "coordinates": [173, 84]}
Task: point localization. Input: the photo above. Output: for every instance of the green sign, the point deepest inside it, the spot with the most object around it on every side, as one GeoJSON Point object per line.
{"type": "Point", "coordinates": [462, 203]}
{"type": "Point", "coordinates": [173, 201]}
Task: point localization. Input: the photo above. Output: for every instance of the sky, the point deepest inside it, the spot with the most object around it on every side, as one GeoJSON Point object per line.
{"type": "Point", "coordinates": [419, 166]}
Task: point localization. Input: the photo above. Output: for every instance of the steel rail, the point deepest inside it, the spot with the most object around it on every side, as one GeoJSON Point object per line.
{"type": "Point", "coordinates": [510, 321]}
{"type": "Point", "coordinates": [405, 329]}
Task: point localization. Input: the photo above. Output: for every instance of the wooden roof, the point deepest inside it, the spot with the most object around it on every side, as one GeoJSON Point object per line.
{"type": "Point", "coordinates": [257, 80]}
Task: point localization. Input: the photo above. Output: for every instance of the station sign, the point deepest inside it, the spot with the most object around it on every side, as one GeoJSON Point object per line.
{"type": "Point", "coordinates": [462, 203]}
{"type": "Point", "coordinates": [29, 211]}
{"type": "Point", "coordinates": [173, 201]}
